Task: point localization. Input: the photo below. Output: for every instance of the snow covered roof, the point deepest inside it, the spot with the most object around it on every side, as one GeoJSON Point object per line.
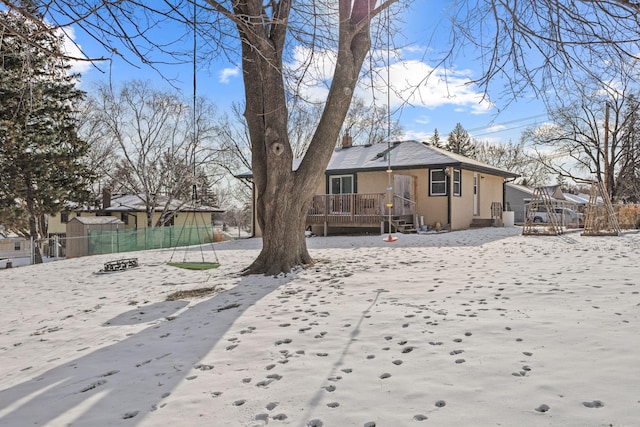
{"type": "Point", "coordinates": [580, 198]}
{"type": "Point", "coordinates": [404, 155]}
{"type": "Point", "coordinates": [136, 203]}
{"type": "Point", "coordinates": [97, 220]}
{"type": "Point", "coordinates": [521, 188]}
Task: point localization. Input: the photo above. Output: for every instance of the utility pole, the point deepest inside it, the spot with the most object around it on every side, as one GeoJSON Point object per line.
{"type": "Point", "coordinates": [606, 148]}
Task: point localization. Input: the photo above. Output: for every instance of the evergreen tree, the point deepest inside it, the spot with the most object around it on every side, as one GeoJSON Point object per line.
{"type": "Point", "coordinates": [435, 139]}
{"type": "Point", "coordinates": [459, 142]}
{"type": "Point", "coordinates": [40, 152]}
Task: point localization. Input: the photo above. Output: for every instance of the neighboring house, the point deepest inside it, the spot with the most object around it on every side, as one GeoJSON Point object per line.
{"type": "Point", "coordinates": [131, 210]}
{"type": "Point", "coordinates": [518, 197]}
{"type": "Point", "coordinates": [57, 223]}
{"type": "Point", "coordinates": [13, 246]}
{"type": "Point", "coordinates": [431, 186]}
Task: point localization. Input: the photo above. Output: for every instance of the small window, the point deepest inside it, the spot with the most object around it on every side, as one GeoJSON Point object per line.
{"type": "Point", "coordinates": [124, 217]}
{"type": "Point", "coordinates": [438, 183]}
{"type": "Point", "coordinates": [64, 217]}
{"type": "Point", "coordinates": [457, 182]}
{"type": "Point", "coordinates": [16, 246]}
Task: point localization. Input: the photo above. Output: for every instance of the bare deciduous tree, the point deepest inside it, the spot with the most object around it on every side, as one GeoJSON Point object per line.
{"type": "Point", "coordinates": [143, 144]}
{"type": "Point", "coordinates": [592, 134]}
{"type": "Point", "coordinates": [548, 44]}
{"type": "Point", "coordinates": [516, 158]}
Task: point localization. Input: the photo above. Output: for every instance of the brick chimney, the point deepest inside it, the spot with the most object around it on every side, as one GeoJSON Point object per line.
{"type": "Point", "coordinates": [347, 140]}
{"type": "Point", "coordinates": [106, 198]}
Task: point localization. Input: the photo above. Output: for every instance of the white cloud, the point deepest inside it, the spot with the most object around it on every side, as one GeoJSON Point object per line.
{"type": "Point", "coordinates": [416, 135]}
{"type": "Point", "coordinates": [423, 120]}
{"type": "Point", "coordinates": [74, 50]}
{"type": "Point", "coordinates": [494, 128]}
{"type": "Point", "coordinates": [226, 74]}
{"type": "Point", "coordinates": [412, 82]}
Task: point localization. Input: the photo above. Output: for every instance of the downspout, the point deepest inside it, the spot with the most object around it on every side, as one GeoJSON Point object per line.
{"type": "Point", "coordinates": [449, 179]}
{"type": "Point", "coordinates": [504, 192]}
{"type": "Point", "coordinates": [253, 209]}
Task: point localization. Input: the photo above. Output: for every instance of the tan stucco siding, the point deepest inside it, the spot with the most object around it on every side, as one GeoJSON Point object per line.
{"type": "Point", "coordinates": [432, 208]}
{"type": "Point", "coordinates": [462, 206]}
{"type": "Point", "coordinates": [372, 182]}
{"type": "Point", "coordinates": [491, 188]}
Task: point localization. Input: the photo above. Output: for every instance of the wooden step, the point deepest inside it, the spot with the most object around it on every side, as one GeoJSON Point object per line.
{"type": "Point", "coordinates": [481, 222]}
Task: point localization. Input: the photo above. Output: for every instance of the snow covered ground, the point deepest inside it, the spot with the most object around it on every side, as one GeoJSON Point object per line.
{"type": "Point", "coordinates": [471, 328]}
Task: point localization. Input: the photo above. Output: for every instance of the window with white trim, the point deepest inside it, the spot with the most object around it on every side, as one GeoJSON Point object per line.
{"type": "Point", "coordinates": [457, 182]}
{"type": "Point", "coordinates": [437, 182]}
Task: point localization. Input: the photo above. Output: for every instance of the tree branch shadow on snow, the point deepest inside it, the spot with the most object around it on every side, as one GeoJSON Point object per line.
{"type": "Point", "coordinates": [120, 383]}
{"type": "Point", "coordinates": [315, 400]}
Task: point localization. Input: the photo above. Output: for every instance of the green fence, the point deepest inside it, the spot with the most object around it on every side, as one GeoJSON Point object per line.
{"type": "Point", "coordinates": [106, 242]}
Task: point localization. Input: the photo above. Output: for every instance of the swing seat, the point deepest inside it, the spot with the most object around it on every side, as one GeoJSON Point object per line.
{"type": "Point", "coordinates": [195, 265]}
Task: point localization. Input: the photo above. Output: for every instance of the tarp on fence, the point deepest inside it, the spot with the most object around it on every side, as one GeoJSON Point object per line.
{"type": "Point", "coordinates": [126, 240]}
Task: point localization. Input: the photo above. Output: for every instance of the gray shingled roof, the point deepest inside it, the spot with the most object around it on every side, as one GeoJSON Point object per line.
{"type": "Point", "coordinates": [404, 155]}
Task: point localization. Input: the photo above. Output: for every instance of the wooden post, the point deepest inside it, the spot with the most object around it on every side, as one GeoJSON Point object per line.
{"type": "Point", "coordinates": [606, 149]}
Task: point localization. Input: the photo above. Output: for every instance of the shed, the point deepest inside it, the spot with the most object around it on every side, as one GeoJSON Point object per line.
{"type": "Point", "coordinates": [78, 232]}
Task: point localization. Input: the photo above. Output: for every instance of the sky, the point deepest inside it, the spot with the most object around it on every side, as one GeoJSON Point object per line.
{"type": "Point", "coordinates": [525, 331]}
{"type": "Point", "coordinates": [444, 99]}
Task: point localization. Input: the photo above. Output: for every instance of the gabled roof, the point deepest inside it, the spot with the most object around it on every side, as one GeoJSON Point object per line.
{"type": "Point", "coordinates": [135, 203]}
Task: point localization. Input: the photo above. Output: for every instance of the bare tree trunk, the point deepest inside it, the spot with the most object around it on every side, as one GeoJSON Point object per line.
{"type": "Point", "coordinates": [283, 195]}
{"type": "Point", "coordinates": [35, 235]}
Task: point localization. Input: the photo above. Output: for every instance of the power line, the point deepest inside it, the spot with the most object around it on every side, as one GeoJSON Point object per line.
{"type": "Point", "coordinates": [522, 119]}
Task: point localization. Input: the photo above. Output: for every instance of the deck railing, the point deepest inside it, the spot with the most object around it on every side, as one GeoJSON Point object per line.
{"type": "Point", "coordinates": [347, 209]}
{"type": "Point", "coordinates": [403, 206]}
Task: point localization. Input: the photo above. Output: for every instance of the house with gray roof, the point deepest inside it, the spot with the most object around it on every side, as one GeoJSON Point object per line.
{"type": "Point", "coordinates": [427, 187]}
{"type": "Point", "coordinates": [409, 185]}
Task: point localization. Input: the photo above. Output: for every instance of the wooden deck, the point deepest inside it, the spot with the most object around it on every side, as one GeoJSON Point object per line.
{"type": "Point", "coordinates": [347, 210]}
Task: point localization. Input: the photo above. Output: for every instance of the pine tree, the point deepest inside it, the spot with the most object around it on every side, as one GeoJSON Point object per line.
{"type": "Point", "coordinates": [40, 152]}
{"type": "Point", "coordinates": [435, 139]}
{"type": "Point", "coordinates": [459, 142]}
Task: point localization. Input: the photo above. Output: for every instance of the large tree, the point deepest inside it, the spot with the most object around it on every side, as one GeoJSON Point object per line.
{"type": "Point", "coordinates": [528, 44]}
{"type": "Point", "coordinates": [41, 156]}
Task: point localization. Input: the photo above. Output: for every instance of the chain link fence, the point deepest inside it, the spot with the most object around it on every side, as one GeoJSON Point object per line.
{"type": "Point", "coordinates": [18, 251]}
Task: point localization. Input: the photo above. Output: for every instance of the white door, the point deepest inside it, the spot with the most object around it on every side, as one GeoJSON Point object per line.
{"type": "Point", "coordinates": [475, 195]}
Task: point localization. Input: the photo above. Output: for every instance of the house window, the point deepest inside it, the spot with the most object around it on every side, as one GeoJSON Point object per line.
{"type": "Point", "coordinates": [16, 246]}
{"type": "Point", "coordinates": [342, 184]}
{"type": "Point", "coordinates": [457, 182]}
{"type": "Point", "coordinates": [64, 217]}
{"type": "Point", "coordinates": [124, 217]}
{"type": "Point", "coordinates": [437, 182]}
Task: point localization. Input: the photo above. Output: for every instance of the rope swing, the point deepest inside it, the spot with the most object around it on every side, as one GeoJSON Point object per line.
{"type": "Point", "coordinates": [390, 238]}
{"type": "Point", "coordinates": [193, 225]}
